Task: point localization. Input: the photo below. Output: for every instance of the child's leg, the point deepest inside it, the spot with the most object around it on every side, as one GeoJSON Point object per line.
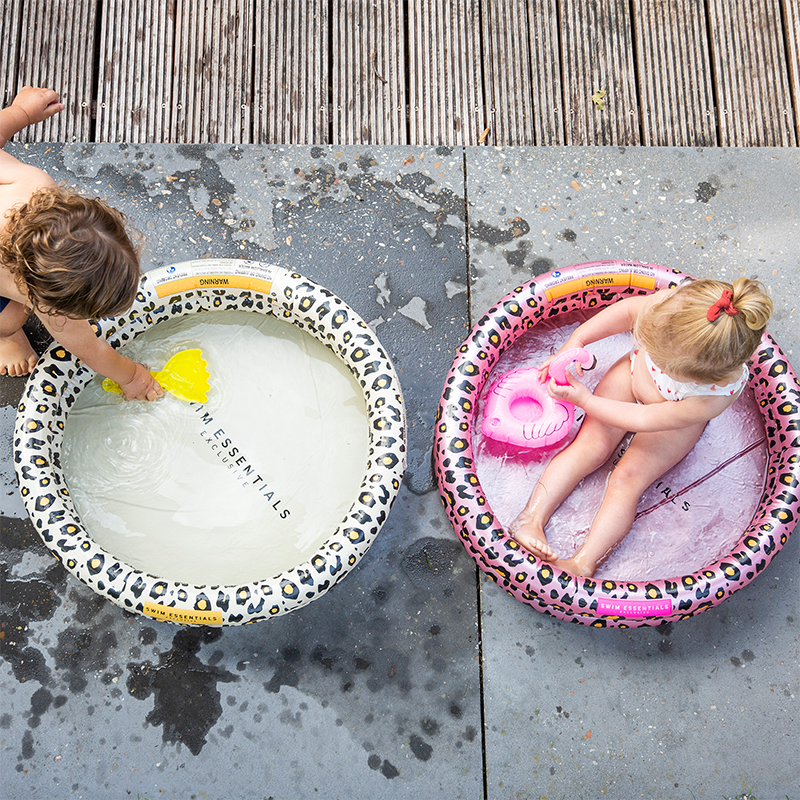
{"type": "Point", "coordinates": [17, 357]}
{"type": "Point", "coordinates": [592, 447]}
{"type": "Point", "coordinates": [648, 457]}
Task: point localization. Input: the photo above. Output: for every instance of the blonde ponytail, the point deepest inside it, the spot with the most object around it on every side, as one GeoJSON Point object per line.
{"type": "Point", "coordinates": [752, 302]}
{"type": "Point", "coordinates": [687, 342]}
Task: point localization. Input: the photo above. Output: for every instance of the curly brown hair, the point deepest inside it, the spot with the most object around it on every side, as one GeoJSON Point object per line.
{"type": "Point", "coordinates": [71, 254]}
{"type": "Point", "coordinates": [682, 341]}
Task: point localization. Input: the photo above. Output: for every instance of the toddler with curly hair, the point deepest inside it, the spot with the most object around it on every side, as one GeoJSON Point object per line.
{"type": "Point", "coordinates": [65, 257]}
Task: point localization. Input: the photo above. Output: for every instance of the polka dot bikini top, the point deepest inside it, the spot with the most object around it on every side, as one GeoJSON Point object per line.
{"type": "Point", "coordinates": [670, 389]}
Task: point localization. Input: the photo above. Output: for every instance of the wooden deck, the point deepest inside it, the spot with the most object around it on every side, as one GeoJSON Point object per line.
{"type": "Point", "coordinates": [511, 72]}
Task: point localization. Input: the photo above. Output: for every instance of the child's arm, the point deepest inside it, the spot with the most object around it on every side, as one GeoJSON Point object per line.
{"type": "Point", "coordinates": [616, 318]}
{"type": "Point", "coordinates": [31, 105]}
{"type": "Point", "coordinates": [635, 417]}
{"type": "Point", "coordinates": [17, 179]}
{"type": "Point", "coordinates": [77, 336]}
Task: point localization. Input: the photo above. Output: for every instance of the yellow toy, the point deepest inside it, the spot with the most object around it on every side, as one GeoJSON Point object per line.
{"type": "Point", "coordinates": [185, 375]}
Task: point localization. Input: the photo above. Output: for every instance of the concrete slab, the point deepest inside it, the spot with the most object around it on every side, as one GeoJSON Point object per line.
{"type": "Point", "coordinates": [705, 707]}
{"type": "Point", "coordinates": [374, 692]}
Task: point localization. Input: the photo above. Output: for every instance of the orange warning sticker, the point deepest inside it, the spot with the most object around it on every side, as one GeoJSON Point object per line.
{"type": "Point", "coordinates": [213, 282]}
{"type": "Point", "coordinates": [641, 276]}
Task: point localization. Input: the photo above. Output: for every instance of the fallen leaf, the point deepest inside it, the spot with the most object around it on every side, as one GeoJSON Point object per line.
{"type": "Point", "coordinates": [597, 98]}
{"type": "Point", "coordinates": [375, 67]}
{"type": "Point", "coordinates": [482, 137]}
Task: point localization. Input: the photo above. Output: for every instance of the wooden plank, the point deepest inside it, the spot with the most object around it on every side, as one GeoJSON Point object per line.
{"type": "Point", "coordinates": [10, 21]}
{"type": "Point", "coordinates": [211, 90]}
{"type": "Point", "coordinates": [597, 52]}
{"type": "Point", "coordinates": [291, 76]}
{"type": "Point", "coordinates": [136, 66]}
{"type": "Point", "coordinates": [546, 72]}
{"type": "Point", "coordinates": [369, 72]}
{"type": "Point", "coordinates": [114, 100]}
{"type": "Point", "coordinates": [791, 25]}
{"type": "Point", "coordinates": [57, 51]}
{"type": "Point", "coordinates": [159, 58]}
{"type": "Point", "coordinates": [239, 99]}
{"type": "Point", "coordinates": [184, 38]}
{"type": "Point", "coordinates": [507, 73]}
{"type": "Point", "coordinates": [675, 79]}
{"type": "Point", "coordinates": [752, 79]}
{"type": "Point", "coordinates": [445, 79]}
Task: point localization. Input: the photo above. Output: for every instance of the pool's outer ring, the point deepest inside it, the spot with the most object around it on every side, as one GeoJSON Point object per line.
{"type": "Point", "coordinates": [605, 603]}
{"type": "Point", "coordinates": [178, 290]}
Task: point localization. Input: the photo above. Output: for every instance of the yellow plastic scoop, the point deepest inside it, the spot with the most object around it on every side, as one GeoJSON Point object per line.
{"type": "Point", "coordinates": [185, 375]}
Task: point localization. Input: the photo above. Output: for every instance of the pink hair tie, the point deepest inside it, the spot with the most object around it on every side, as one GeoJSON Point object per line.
{"type": "Point", "coordinates": [723, 304]}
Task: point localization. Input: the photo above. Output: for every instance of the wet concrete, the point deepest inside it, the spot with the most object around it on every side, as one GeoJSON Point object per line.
{"type": "Point", "coordinates": [414, 677]}
{"type": "Point", "coordinates": [377, 687]}
{"type": "Point", "coordinates": [701, 708]}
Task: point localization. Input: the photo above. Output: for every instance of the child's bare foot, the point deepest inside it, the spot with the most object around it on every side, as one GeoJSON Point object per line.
{"type": "Point", "coordinates": [583, 569]}
{"type": "Point", "coordinates": [532, 537]}
{"type": "Point", "coordinates": [17, 357]}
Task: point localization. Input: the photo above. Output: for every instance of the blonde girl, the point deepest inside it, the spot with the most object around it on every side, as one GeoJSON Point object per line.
{"type": "Point", "coordinates": [688, 364]}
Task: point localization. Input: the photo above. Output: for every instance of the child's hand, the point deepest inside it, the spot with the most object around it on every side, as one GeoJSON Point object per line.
{"type": "Point", "coordinates": [544, 369]}
{"type": "Point", "coordinates": [37, 103]}
{"type": "Point", "coordinates": [571, 344]}
{"type": "Point", "coordinates": [142, 386]}
{"type": "Point", "coordinates": [575, 393]}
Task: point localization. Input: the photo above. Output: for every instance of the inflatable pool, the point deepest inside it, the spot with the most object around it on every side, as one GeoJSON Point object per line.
{"type": "Point", "coordinates": [205, 291]}
{"type": "Point", "coordinates": [605, 602]}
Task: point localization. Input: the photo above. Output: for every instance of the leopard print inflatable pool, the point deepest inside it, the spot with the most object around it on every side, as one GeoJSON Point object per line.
{"type": "Point", "coordinates": [606, 603]}
{"type": "Point", "coordinates": [187, 288]}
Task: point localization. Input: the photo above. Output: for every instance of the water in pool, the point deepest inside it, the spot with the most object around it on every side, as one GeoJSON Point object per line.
{"type": "Point", "coordinates": [238, 489]}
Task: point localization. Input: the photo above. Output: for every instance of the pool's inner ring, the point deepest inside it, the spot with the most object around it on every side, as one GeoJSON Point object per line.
{"type": "Point", "coordinates": [686, 519]}
{"type": "Point", "coordinates": [239, 488]}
